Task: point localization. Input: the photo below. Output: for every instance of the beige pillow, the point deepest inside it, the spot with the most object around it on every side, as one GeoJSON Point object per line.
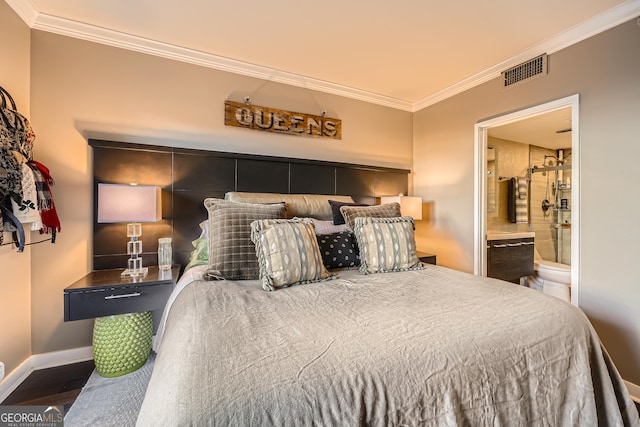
{"type": "Point", "coordinates": [288, 252]}
{"type": "Point", "coordinates": [386, 244]}
{"type": "Point", "coordinates": [387, 210]}
{"type": "Point", "coordinates": [298, 205]}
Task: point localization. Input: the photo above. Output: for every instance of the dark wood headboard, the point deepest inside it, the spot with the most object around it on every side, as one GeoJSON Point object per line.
{"type": "Point", "coordinates": [188, 176]}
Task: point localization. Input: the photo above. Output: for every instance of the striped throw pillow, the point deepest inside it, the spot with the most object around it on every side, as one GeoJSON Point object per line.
{"type": "Point", "coordinates": [386, 244]}
{"type": "Point", "coordinates": [288, 252]}
{"type": "Point", "coordinates": [387, 210]}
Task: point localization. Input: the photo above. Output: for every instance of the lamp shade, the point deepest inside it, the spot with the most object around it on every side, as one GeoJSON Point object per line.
{"type": "Point", "coordinates": [128, 203]}
{"type": "Point", "coordinates": [409, 205]}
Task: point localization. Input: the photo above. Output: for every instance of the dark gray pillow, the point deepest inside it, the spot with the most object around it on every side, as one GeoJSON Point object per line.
{"type": "Point", "coordinates": [339, 250]}
{"type": "Point", "coordinates": [338, 218]}
{"type": "Point", "coordinates": [232, 254]}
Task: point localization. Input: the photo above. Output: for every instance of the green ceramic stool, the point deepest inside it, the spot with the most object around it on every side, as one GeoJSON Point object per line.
{"type": "Point", "coordinates": [121, 343]}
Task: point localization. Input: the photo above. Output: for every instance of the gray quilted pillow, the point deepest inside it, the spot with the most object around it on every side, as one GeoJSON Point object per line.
{"type": "Point", "coordinates": [387, 210]}
{"type": "Point", "coordinates": [232, 254]}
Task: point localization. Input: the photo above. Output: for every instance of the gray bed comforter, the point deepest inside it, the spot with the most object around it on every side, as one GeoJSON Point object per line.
{"type": "Point", "coordinates": [431, 347]}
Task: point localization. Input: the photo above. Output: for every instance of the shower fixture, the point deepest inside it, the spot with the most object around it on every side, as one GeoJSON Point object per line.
{"type": "Point", "coordinates": [546, 205]}
{"type": "Point", "coordinates": [551, 192]}
{"type": "Point", "coordinates": [559, 162]}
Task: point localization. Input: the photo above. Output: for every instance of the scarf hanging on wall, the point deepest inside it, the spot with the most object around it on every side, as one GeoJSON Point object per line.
{"type": "Point", "coordinates": [10, 176]}
{"type": "Point", "coordinates": [47, 208]}
{"type": "Point", "coordinates": [25, 182]}
{"type": "Point", "coordinates": [27, 211]}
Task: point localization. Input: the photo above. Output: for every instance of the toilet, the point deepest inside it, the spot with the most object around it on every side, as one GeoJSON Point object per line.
{"type": "Point", "coordinates": [552, 278]}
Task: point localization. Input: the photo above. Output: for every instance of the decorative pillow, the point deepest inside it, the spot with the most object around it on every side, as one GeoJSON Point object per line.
{"type": "Point", "coordinates": [327, 227]}
{"type": "Point", "coordinates": [204, 226]}
{"type": "Point", "coordinates": [298, 205]}
{"type": "Point", "coordinates": [232, 255]}
{"type": "Point", "coordinates": [386, 244]}
{"type": "Point", "coordinates": [387, 210]}
{"type": "Point", "coordinates": [339, 250]}
{"type": "Point", "coordinates": [287, 252]}
{"type": "Point", "coordinates": [200, 255]}
{"type": "Point", "coordinates": [338, 218]}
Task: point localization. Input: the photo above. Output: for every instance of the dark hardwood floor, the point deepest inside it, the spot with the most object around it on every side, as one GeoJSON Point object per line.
{"type": "Point", "coordinates": [58, 386]}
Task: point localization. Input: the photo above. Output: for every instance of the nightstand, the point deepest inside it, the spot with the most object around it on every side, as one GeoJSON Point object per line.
{"type": "Point", "coordinates": [122, 308]}
{"type": "Point", "coordinates": [427, 258]}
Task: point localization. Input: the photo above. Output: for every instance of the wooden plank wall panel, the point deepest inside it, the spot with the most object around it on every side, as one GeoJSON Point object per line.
{"type": "Point", "coordinates": [198, 172]}
{"type": "Point", "coordinates": [189, 213]}
{"type": "Point", "coordinates": [312, 179]}
{"type": "Point", "coordinates": [391, 184]}
{"type": "Point", "coordinates": [189, 176]}
{"type": "Point", "coordinates": [358, 183]}
{"type": "Point", "coordinates": [262, 176]}
{"type": "Point", "coordinates": [196, 176]}
{"type": "Point", "coordinates": [149, 166]}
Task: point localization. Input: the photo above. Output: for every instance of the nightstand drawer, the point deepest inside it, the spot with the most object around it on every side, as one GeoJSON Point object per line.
{"type": "Point", "coordinates": [105, 301]}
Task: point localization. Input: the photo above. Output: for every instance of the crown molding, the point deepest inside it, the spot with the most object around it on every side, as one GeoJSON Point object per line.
{"type": "Point", "coordinates": [25, 10]}
{"type": "Point", "coordinates": [79, 30]}
{"type": "Point", "coordinates": [40, 21]}
{"type": "Point", "coordinates": [598, 24]}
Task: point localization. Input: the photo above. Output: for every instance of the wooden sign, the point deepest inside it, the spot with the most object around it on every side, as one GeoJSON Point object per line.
{"type": "Point", "coordinates": [272, 120]}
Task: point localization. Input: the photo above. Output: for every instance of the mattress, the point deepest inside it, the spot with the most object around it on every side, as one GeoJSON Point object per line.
{"type": "Point", "coordinates": [427, 347]}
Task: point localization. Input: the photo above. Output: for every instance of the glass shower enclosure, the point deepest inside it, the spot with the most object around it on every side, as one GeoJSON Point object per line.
{"type": "Point", "coordinates": [550, 204]}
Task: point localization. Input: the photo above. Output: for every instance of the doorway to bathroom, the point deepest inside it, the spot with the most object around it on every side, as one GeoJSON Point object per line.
{"type": "Point", "coordinates": [538, 149]}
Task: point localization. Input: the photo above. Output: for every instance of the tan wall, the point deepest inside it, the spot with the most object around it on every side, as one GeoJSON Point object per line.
{"type": "Point", "coordinates": [83, 89]}
{"type": "Point", "coordinates": [604, 71]}
{"type": "Point", "coordinates": [15, 284]}
{"type": "Point", "coordinates": [512, 159]}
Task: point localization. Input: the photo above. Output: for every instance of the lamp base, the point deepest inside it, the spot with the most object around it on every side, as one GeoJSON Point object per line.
{"type": "Point", "coordinates": [142, 272]}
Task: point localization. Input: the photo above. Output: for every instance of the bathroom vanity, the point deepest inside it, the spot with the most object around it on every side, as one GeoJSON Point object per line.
{"type": "Point", "coordinates": [510, 255]}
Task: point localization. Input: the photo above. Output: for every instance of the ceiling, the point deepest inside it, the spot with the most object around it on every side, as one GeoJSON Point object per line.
{"type": "Point", "coordinates": [549, 130]}
{"type": "Point", "coordinates": [406, 54]}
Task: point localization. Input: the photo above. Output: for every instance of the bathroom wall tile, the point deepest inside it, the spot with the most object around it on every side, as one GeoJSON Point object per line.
{"type": "Point", "coordinates": [513, 159]}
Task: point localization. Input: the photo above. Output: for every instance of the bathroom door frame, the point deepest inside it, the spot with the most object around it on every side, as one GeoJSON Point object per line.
{"type": "Point", "coordinates": [480, 200]}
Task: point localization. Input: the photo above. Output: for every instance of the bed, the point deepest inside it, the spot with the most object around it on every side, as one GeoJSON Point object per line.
{"type": "Point", "coordinates": [413, 345]}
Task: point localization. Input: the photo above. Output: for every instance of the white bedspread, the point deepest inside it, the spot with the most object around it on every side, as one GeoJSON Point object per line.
{"type": "Point", "coordinates": [431, 347]}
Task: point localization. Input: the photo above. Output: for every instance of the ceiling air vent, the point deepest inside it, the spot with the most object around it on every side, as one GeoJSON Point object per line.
{"type": "Point", "coordinates": [526, 71]}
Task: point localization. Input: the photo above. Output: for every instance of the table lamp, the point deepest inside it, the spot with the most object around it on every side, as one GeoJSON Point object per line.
{"type": "Point", "coordinates": [133, 204]}
{"type": "Point", "coordinates": [409, 205]}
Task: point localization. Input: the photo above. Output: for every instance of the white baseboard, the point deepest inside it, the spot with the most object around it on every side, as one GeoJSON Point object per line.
{"type": "Point", "coordinates": [634, 391]}
{"type": "Point", "coordinates": [15, 377]}
{"type": "Point", "coordinates": [59, 358]}
{"type": "Point", "coordinates": [42, 361]}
